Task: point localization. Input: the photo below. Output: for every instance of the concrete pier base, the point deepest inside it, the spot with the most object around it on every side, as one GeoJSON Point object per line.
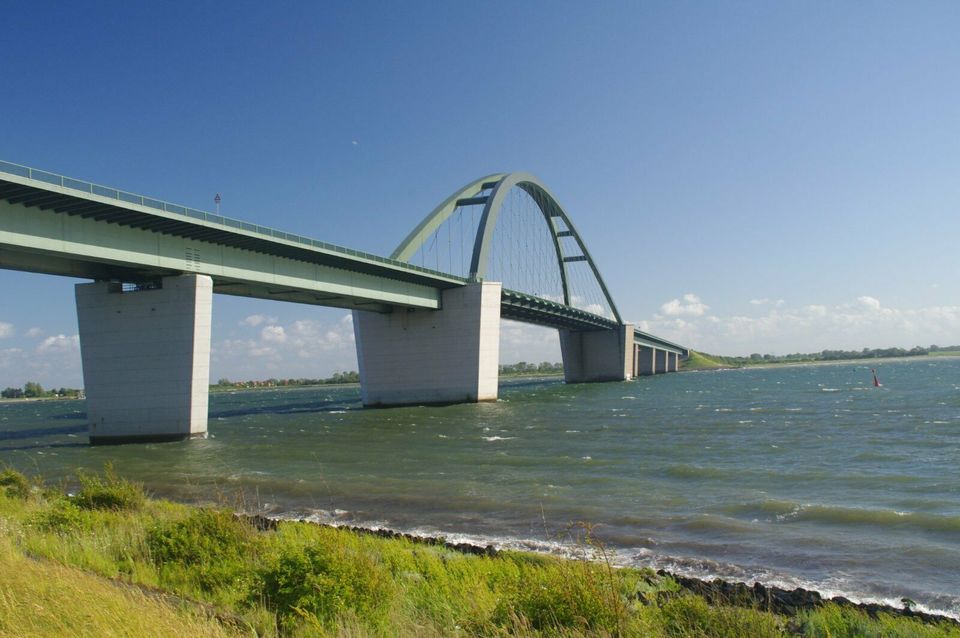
{"type": "Point", "coordinates": [146, 359]}
{"type": "Point", "coordinates": [416, 357]}
{"type": "Point", "coordinates": [597, 355]}
{"type": "Point", "coordinates": [647, 361]}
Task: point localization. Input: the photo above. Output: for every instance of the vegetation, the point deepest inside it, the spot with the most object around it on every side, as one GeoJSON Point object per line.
{"type": "Point", "coordinates": [696, 361]}
{"type": "Point", "coordinates": [110, 562]}
{"type": "Point", "coordinates": [47, 599]}
{"type": "Point", "coordinates": [108, 492]}
{"type": "Point", "coordinates": [700, 361]}
{"type": "Point", "coordinates": [33, 390]}
{"type": "Point", "coordinates": [338, 378]}
{"type": "Point", "coordinates": [524, 368]}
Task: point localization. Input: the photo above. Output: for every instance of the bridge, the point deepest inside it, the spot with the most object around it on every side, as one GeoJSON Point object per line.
{"type": "Point", "coordinates": [427, 332]}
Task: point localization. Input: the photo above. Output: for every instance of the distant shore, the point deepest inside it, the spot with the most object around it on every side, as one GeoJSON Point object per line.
{"type": "Point", "coordinates": [784, 364]}
{"type": "Point", "coordinates": [698, 365]}
{"type": "Point", "coordinates": [30, 399]}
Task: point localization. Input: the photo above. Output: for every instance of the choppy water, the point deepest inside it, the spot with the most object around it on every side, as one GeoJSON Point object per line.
{"type": "Point", "coordinates": [793, 476]}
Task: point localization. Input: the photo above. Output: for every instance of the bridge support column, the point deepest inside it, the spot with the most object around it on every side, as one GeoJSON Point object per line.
{"type": "Point", "coordinates": [450, 355]}
{"type": "Point", "coordinates": [647, 361]}
{"type": "Point", "coordinates": [673, 362]}
{"type": "Point", "coordinates": [661, 359]}
{"type": "Point", "coordinates": [597, 355]}
{"type": "Point", "coordinates": [146, 359]}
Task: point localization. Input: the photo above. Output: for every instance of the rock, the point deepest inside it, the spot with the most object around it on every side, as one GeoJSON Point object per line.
{"type": "Point", "coordinates": [787, 602]}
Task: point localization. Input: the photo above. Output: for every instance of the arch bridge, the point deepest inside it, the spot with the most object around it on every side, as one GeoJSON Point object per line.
{"type": "Point", "coordinates": [500, 247]}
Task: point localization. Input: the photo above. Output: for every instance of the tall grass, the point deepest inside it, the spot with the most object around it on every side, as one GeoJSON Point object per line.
{"type": "Point", "coordinates": [306, 580]}
{"type": "Point", "coordinates": [47, 600]}
{"type": "Point", "coordinates": [830, 621]}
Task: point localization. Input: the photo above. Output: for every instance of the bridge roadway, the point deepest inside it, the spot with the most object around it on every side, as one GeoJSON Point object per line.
{"type": "Point", "coordinates": [58, 225]}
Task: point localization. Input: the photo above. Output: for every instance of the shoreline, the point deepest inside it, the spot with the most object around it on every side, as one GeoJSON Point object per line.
{"type": "Point", "coordinates": [284, 576]}
{"type": "Point", "coordinates": [764, 597]}
{"type": "Point", "coordinates": [824, 362]}
{"type": "Point", "coordinates": [29, 399]}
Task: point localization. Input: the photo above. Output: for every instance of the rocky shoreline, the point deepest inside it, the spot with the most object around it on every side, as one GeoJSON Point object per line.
{"type": "Point", "coordinates": [789, 601]}
{"type": "Point", "coordinates": [786, 602]}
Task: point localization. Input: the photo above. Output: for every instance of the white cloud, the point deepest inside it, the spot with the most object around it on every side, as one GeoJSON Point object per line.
{"type": "Point", "coordinates": [525, 342]}
{"type": "Point", "coordinates": [596, 309]}
{"type": "Point", "coordinates": [863, 322]}
{"type": "Point", "coordinates": [767, 302]}
{"type": "Point", "coordinates": [34, 332]}
{"type": "Point", "coordinates": [59, 344]}
{"type": "Point", "coordinates": [255, 320]}
{"type": "Point", "coordinates": [53, 362]}
{"type": "Point", "coordinates": [6, 329]}
{"type": "Point", "coordinates": [690, 306]}
{"type": "Point", "coordinates": [301, 348]}
{"type": "Point", "coordinates": [275, 334]}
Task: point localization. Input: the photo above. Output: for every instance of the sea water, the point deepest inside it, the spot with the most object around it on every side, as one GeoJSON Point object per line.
{"type": "Point", "coordinates": [794, 476]}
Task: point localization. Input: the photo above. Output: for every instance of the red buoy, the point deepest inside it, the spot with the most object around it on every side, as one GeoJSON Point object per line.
{"type": "Point", "coordinates": [876, 381]}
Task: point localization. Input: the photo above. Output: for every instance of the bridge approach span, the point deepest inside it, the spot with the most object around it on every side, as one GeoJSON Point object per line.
{"type": "Point", "coordinates": [155, 265]}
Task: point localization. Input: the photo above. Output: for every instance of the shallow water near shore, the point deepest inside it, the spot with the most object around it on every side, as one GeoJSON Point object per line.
{"type": "Point", "coordinates": [795, 476]}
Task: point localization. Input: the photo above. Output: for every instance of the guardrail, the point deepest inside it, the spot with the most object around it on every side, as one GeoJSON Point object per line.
{"type": "Point", "coordinates": [193, 214]}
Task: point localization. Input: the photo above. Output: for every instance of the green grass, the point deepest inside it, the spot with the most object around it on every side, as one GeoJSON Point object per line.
{"type": "Point", "coordinates": [698, 361]}
{"type": "Point", "coordinates": [831, 621]}
{"type": "Point", "coordinates": [39, 599]}
{"type": "Point", "coordinates": [113, 562]}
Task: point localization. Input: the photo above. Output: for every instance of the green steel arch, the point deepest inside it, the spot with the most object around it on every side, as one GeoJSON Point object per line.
{"type": "Point", "coordinates": [499, 186]}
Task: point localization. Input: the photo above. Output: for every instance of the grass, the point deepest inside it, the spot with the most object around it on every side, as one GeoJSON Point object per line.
{"type": "Point", "coordinates": [48, 599]}
{"type": "Point", "coordinates": [698, 361]}
{"type": "Point", "coordinates": [831, 621]}
{"type": "Point", "coordinates": [111, 562]}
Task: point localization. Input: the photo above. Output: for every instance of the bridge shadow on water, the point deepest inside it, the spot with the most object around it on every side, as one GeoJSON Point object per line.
{"type": "Point", "coordinates": [70, 416]}
{"type": "Point", "coordinates": [286, 408]}
{"type": "Point", "coordinates": [39, 433]}
{"type": "Point", "coordinates": [526, 383]}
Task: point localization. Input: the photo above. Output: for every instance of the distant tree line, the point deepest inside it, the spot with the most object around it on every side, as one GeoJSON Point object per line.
{"type": "Point", "coordinates": [336, 379]}
{"type": "Point", "coordinates": [353, 377]}
{"type": "Point", "coordinates": [834, 355]}
{"type": "Point", "coordinates": [522, 367]}
{"type": "Point", "coordinates": [33, 390]}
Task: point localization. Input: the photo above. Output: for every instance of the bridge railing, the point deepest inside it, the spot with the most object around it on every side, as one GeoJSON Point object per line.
{"type": "Point", "coordinates": [193, 214]}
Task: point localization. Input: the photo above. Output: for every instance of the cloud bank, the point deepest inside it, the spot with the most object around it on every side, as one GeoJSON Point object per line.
{"type": "Point", "coordinates": [261, 346]}
{"type": "Point", "coordinates": [776, 327]}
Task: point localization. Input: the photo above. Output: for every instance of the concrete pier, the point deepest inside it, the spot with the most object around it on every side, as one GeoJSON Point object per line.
{"type": "Point", "coordinates": [450, 355]}
{"type": "Point", "coordinates": [661, 361]}
{"type": "Point", "coordinates": [146, 359]}
{"type": "Point", "coordinates": [646, 359]}
{"type": "Point", "coordinates": [597, 355]}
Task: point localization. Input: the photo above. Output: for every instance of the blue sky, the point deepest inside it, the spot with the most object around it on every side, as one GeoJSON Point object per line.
{"type": "Point", "coordinates": [751, 177]}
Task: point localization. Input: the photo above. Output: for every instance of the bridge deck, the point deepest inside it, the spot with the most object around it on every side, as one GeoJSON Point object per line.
{"type": "Point", "coordinates": [59, 225]}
